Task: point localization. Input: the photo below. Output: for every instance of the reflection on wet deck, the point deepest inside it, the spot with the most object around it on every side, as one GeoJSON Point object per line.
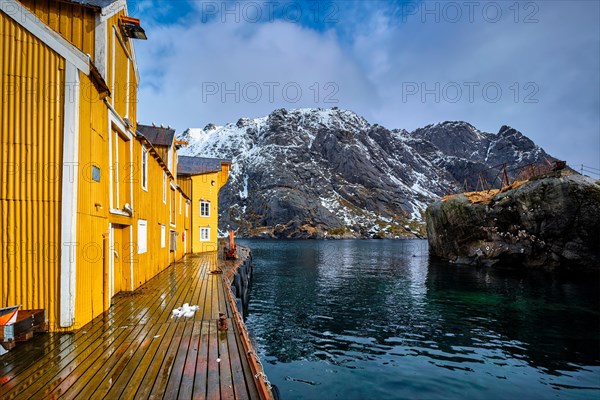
{"type": "Point", "coordinates": [136, 350]}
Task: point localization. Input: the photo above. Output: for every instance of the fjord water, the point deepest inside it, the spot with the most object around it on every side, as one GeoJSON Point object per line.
{"type": "Point", "coordinates": [377, 319]}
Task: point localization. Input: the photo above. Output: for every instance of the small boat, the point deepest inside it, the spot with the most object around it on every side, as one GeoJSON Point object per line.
{"type": "Point", "coordinates": [8, 315]}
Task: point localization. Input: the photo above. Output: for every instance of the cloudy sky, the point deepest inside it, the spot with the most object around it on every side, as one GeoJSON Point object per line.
{"type": "Point", "coordinates": [532, 65]}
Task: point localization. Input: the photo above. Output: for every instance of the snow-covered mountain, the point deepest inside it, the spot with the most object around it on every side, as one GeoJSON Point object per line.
{"type": "Point", "coordinates": [329, 172]}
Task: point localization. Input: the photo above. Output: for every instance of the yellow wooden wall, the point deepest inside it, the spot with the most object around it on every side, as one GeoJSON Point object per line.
{"type": "Point", "coordinates": [31, 118]}
{"type": "Point", "coordinates": [32, 122]}
{"type": "Point", "coordinates": [93, 222]}
{"type": "Point", "coordinates": [182, 225]}
{"type": "Point", "coordinates": [74, 22]}
{"type": "Point", "coordinates": [119, 82]}
{"type": "Point", "coordinates": [185, 183]}
{"type": "Point", "coordinates": [92, 206]}
{"type": "Point", "coordinates": [149, 206]}
{"type": "Point", "coordinates": [163, 152]}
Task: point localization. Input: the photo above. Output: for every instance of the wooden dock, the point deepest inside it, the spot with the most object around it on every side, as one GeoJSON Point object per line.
{"type": "Point", "coordinates": [137, 351]}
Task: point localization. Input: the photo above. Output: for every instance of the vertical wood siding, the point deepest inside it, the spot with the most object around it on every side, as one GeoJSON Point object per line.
{"type": "Point", "coordinates": [31, 114]}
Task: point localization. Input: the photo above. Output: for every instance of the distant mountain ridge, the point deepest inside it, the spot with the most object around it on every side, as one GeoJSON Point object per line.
{"type": "Point", "coordinates": [312, 173]}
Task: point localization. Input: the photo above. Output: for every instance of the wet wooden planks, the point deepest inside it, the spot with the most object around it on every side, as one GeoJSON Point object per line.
{"type": "Point", "coordinates": [137, 351]}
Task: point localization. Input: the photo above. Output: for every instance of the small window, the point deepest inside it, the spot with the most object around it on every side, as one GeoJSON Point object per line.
{"type": "Point", "coordinates": [165, 187]}
{"type": "Point", "coordinates": [144, 168]}
{"type": "Point", "coordinates": [180, 204]}
{"type": "Point", "coordinates": [187, 208]}
{"type": "Point", "coordinates": [204, 234]}
{"type": "Point", "coordinates": [142, 236]}
{"type": "Point", "coordinates": [204, 208]}
{"type": "Point", "coordinates": [95, 173]}
{"type": "Point", "coordinates": [163, 236]}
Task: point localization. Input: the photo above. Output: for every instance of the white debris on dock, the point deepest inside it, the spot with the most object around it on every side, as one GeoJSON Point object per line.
{"type": "Point", "coordinates": [186, 311]}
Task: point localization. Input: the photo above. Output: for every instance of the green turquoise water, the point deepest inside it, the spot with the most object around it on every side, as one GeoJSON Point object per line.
{"type": "Point", "coordinates": [379, 320]}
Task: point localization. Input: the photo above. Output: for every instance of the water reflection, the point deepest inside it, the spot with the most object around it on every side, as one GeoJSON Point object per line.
{"type": "Point", "coordinates": [377, 318]}
{"type": "Point", "coordinates": [550, 321]}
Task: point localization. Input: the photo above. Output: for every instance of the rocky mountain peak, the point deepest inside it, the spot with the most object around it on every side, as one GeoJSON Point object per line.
{"type": "Point", "coordinates": [508, 132]}
{"type": "Point", "coordinates": [505, 129]}
{"type": "Point", "coordinates": [329, 172]}
{"type": "Point", "coordinates": [317, 118]}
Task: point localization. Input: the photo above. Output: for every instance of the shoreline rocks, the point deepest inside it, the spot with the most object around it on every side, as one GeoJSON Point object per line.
{"type": "Point", "coordinates": [552, 221]}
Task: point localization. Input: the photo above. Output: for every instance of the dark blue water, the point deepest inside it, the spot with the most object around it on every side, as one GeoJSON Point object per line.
{"type": "Point", "coordinates": [379, 320]}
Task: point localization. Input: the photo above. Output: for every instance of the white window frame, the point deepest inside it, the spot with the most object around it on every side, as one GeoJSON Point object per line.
{"type": "Point", "coordinates": [207, 204]}
{"type": "Point", "coordinates": [187, 209]}
{"type": "Point", "coordinates": [164, 187]}
{"type": "Point", "coordinates": [205, 234]}
{"type": "Point", "coordinates": [172, 207]}
{"type": "Point", "coordinates": [142, 236]}
{"type": "Point", "coordinates": [115, 124]}
{"type": "Point", "coordinates": [117, 167]}
{"type": "Point", "coordinates": [169, 160]}
{"type": "Point", "coordinates": [144, 168]}
{"type": "Point", "coordinates": [114, 52]}
{"type": "Point", "coordinates": [163, 236]}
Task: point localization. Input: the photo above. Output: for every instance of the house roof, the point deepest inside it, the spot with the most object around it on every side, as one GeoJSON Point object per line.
{"type": "Point", "coordinates": [157, 135]}
{"type": "Point", "coordinates": [187, 165]}
{"type": "Point", "coordinates": [92, 3]}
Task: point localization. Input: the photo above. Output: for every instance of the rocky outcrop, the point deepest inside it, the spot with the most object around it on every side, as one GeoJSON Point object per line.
{"type": "Point", "coordinates": [314, 173]}
{"type": "Point", "coordinates": [551, 221]}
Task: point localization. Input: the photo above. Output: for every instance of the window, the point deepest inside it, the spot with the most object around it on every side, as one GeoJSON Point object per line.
{"type": "Point", "coordinates": [121, 169]}
{"type": "Point", "coordinates": [95, 173]}
{"type": "Point", "coordinates": [180, 203]}
{"type": "Point", "coordinates": [142, 236]}
{"type": "Point", "coordinates": [163, 236]}
{"type": "Point", "coordinates": [164, 187]}
{"type": "Point", "coordinates": [204, 234]}
{"type": "Point", "coordinates": [121, 173]}
{"type": "Point", "coordinates": [187, 208]}
{"type": "Point", "coordinates": [144, 168]}
{"type": "Point", "coordinates": [204, 208]}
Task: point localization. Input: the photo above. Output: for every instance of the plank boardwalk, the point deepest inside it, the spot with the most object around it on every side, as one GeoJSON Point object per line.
{"type": "Point", "coordinates": [136, 350]}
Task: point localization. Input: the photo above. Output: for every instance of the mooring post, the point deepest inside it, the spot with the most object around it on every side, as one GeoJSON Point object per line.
{"type": "Point", "coordinates": [222, 322]}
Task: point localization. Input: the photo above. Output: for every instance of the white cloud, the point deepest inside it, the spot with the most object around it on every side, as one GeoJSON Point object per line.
{"type": "Point", "coordinates": [219, 72]}
{"type": "Point", "coordinates": [375, 53]}
{"type": "Point", "coordinates": [554, 62]}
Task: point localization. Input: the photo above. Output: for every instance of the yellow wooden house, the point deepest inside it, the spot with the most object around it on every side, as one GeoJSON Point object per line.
{"type": "Point", "coordinates": [90, 206]}
{"type": "Point", "coordinates": [203, 178]}
{"type": "Point", "coordinates": [164, 142]}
